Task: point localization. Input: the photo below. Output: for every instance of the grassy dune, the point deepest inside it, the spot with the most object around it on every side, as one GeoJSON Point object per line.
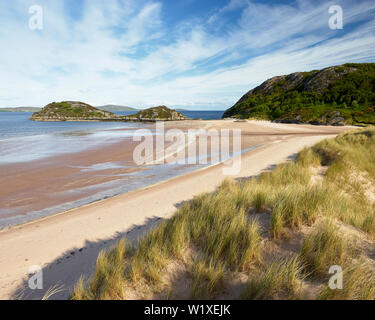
{"type": "Point", "coordinates": [270, 237]}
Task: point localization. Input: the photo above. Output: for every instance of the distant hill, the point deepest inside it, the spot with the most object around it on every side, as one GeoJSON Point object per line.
{"type": "Point", "coordinates": [72, 111]}
{"type": "Point", "coordinates": [108, 107]}
{"type": "Point", "coordinates": [111, 107]}
{"type": "Point", "coordinates": [333, 96]}
{"type": "Point", "coordinates": [20, 109]}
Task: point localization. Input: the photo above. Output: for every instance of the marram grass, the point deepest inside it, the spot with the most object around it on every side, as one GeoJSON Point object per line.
{"type": "Point", "coordinates": [215, 237]}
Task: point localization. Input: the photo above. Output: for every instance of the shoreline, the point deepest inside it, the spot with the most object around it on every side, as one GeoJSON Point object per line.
{"type": "Point", "coordinates": [24, 224]}
{"type": "Point", "coordinates": [50, 185]}
{"type": "Point", "coordinates": [66, 245]}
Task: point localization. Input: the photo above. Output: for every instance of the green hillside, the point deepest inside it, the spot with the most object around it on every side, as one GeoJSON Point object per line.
{"type": "Point", "coordinates": [336, 95]}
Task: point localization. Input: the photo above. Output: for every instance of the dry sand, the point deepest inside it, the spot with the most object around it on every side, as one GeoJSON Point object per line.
{"type": "Point", "coordinates": [66, 245]}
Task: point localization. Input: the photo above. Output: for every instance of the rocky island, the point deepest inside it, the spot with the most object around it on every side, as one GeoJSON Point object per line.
{"type": "Point", "coordinates": [79, 111]}
{"type": "Point", "coordinates": [161, 113]}
{"type": "Point", "coordinates": [73, 111]}
{"type": "Point", "coordinates": [336, 95]}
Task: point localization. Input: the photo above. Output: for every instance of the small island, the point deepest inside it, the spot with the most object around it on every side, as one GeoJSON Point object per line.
{"type": "Point", "coordinates": [72, 111]}
{"type": "Point", "coordinates": [161, 113]}
{"type": "Point", "coordinates": [79, 111]}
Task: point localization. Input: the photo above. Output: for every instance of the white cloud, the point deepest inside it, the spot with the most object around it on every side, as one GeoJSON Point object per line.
{"type": "Point", "coordinates": [121, 51]}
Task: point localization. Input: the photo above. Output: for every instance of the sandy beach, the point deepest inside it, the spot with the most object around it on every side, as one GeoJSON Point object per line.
{"type": "Point", "coordinates": [66, 245]}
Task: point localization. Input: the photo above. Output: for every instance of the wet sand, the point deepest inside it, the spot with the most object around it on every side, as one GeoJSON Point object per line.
{"type": "Point", "coordinates": [66, 244]}
{"type": "Point", "coordinates": [54, 184]}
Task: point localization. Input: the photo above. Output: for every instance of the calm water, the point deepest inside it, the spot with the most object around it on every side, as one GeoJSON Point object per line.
{"type": "Point", "coordinates": [17, 124]}
{"type": "Point", "coordinates": [23, 140]}
{"type": "Point", "coordinates": [204, 115]}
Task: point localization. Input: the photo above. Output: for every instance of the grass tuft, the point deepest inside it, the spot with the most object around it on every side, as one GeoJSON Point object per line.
{"type": "Point", "coordinates": [207, 279]}
{"type": "Point", "coordinates": [280, 280]}
{"type": "Point", "coordinates": [323, 248]}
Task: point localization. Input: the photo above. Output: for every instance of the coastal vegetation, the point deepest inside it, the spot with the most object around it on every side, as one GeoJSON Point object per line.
{"type": "Point", "coordinates": [336, 96]}
{"type": "Point", "coordinates": [274, 236]}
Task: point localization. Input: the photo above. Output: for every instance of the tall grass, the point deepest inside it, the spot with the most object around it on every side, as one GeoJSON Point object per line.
{"type": "Point", "coordinates": [358, 283]}
{"type": "Point", "coordinates": [281, 279]}
{"type": "Point", "coordinates": [323, 248]}
{"type": "Point", "coordinates": [222, 238]}
{"type": "Point", "coordinates": [295, 206]}
{"type": "Point", "coordinates": [207, 278]}
{"type": "Point", "coordinates": [107, 280]}
{"type": "Point", "coordinates": [215, 226]}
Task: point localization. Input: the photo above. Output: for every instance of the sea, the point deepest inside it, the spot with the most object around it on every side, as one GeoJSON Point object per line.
{"type": "Point", "coordinates": [23, 140]}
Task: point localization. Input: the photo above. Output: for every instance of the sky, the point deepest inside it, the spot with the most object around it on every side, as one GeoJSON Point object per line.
{"type": "Point", "coordinates": [193, 54]}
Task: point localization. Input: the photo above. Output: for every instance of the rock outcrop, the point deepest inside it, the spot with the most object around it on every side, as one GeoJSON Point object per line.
{"type": "Point", "coordinates": [333, 118]}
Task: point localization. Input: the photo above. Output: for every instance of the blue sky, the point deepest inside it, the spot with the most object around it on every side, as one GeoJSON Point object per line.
{"type": "Point", "coordinates": [181, 53]}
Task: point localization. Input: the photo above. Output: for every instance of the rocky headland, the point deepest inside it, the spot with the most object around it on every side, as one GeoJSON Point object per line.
{"type": "Point", "coordinates": [338, 95]}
